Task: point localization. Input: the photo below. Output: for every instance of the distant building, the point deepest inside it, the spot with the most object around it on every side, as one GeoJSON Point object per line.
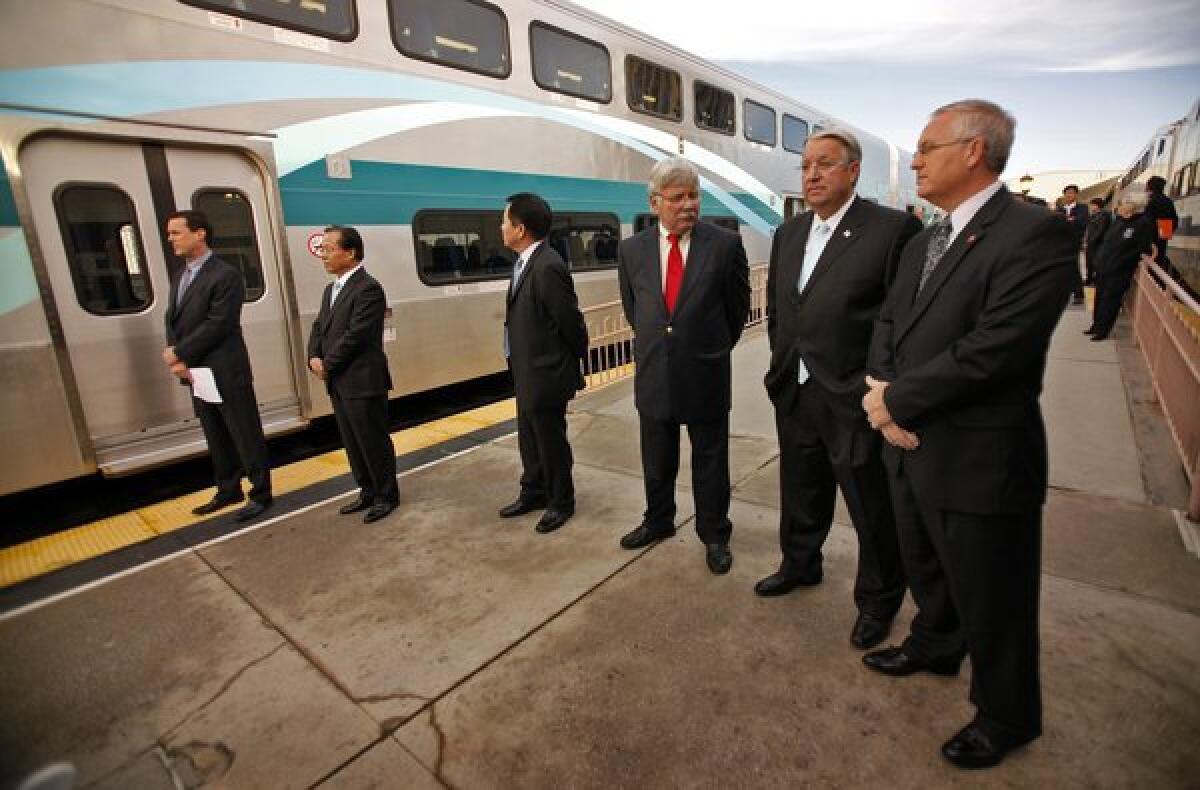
{"type": "Point", "coordinates": [1049, 184]}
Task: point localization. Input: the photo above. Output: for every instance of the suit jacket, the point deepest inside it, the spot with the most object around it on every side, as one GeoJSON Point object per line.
{"type": "Point", "coordinates": [1077, 218]}
{"type": "Point", "coordinates": [966, 357]}
{"type": "Point", "coordinates": [349, 339]}
{"type": "Point", "coordinates": [829, 323]}
{"type": "Point", "coordinates": [205, 326]}
{"type": "Point", "coordinates": [1097, 226]}
{"type": "Point", "coordinates": [683, 368]}
{"type": "Point", "coordinates": [546, 333]}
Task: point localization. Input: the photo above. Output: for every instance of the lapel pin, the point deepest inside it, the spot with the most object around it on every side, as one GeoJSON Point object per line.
{"type": "Point", "coordinates": [846, 233]}
{"type": "Point", "coordinates": [970, 240]}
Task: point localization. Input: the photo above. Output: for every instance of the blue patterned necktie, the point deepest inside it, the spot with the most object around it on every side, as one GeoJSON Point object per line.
{"type": "Point", "coordinates": [189, 274]}
{"type": "Point", "coordinates": [939, 241]}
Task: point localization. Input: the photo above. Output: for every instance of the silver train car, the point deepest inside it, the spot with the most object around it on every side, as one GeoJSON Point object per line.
{"type": "Point", "coordinates": [1173, 152]}
{"type": "Point", "coordinates": [411, 120]}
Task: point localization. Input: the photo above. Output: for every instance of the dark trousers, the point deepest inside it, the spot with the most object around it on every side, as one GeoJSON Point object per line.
{"type": "Point", "coordinates": [976, 581]}
{"type": "Point", "coordinates": [1110, 292]}
{"type": "Point", "coordinates": [363, 425]}
{"type": "Point", "coordinates": [236, 444]}
{"type": "Point", "coordinates": [1089, 263]}
{"type": "Point", "coordinates": [546, 458]}
{"type": "Point", "coordinates": [710, 475]}
{"type": "Point", "coordinates": [1077, 293]}
{"type": "Point", "coordinates": [817, 453]}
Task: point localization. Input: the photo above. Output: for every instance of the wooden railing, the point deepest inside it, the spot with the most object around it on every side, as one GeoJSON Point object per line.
{"type": "Point", "coordinates": [1166, 325]}
{"type": "Point", "coordinates": [610, 339]}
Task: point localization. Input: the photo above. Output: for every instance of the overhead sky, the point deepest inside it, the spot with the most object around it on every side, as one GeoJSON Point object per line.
{"type": "Point", "coordinates": [1088, 82]}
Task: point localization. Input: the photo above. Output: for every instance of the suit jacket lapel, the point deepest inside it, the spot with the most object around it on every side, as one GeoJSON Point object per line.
{"type": "Point", "coordinates": [792, 265]}
{"type": "Point", "coordinates": [348, 288]}
{"type": "Point", "coordinates": [964, 242]}
{"type": "Point", "coordinates": [652, 253]}
{"type": "Point", "coordinates": [512, 292]}
{"type": "Point", "coordinates": [191, 289]}
{"type": "Point", "coordinates": [844, 236]}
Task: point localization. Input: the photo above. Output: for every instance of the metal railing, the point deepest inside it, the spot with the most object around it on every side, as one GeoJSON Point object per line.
{"type": "Point", "coordinates": [1166, 326]}
{"type": "Point", "coordinates": [610, 339]}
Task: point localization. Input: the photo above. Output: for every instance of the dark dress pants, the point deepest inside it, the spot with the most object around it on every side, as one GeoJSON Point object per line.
{"type": "Point", "coordinates": [546, 458]}
{"type": "Point", "coordinates": [817, 453]}
{"type": "Point", "coordinates": [976, 580]}
{"type": "Point", "coordinates": [1110, 292]}
{"type": "Point", "coordinates": [363, 425]}
{"type": "Point", "coordinates": [710, 475]}
{"type": "Point", "coordinates": [233, 430]}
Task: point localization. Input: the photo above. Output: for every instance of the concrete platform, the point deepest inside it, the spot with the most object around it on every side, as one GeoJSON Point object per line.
{"type": "Point", "coordinates": [443, 646]}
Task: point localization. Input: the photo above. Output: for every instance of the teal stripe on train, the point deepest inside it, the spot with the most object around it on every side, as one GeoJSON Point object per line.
{"type": "Point", "coordinates": [8, 206]}
{"type": "Point", "coordinates": [385, 193]}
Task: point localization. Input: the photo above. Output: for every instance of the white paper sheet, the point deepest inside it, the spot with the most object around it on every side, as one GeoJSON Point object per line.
{"type": "Point", "coordinates": [204, 386]}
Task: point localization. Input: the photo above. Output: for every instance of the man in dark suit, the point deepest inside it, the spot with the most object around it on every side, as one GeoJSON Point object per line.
{"type": "Point", "coordinates": [830, 270]}
{"type": "Point", "coordinates": [685, 289]}
{"type": "Point", "coordinates": [345, 349]}
{"type": "Point", "coordinates": [1077, 217]}
{"type": "Point", "coordinates": [1161, 211]}
{"type": "Point", "coordinates": [204, 331]}
{"type": "Point", "coordinates": [1093, 237]}
{"type": "Point", "coordinates": [544, 339]}
{"type": "Point", "coordinates": [956, 362]}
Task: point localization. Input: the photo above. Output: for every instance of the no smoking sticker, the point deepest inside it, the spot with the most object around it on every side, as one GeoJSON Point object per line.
{"type": "Point", "coordinates": [314, 244]}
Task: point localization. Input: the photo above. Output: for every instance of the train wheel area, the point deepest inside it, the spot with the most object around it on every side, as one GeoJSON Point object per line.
{"type": "Point", "coordinates": [443, 646]}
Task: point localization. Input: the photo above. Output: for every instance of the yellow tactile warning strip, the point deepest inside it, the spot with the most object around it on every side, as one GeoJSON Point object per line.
{"type": "Point", "coordinates": [43, 555]}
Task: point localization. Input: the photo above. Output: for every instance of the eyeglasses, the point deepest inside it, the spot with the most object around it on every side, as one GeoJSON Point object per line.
{"type": "Point", "coordinates": [821, 168]}
{"type": "Point", "coordinates": [925, 149]}
{"type": "Point", "coordinates": [676, 199]}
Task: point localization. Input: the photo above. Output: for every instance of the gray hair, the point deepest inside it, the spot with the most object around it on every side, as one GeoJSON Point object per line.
{"type": "Point", "coordinates": [843, 136]}
{"type": "Point", "coordinates": [1135, 197]}
{"type": "Point", "coordinates": [671, 171]}
{"type": "Point", "coordinates": [980, 118]}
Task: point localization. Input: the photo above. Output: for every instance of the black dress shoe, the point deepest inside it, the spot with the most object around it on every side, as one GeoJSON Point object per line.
{"type": "Point", "coordinates": [553, 519]}
{"type": "Point", "coordinates": [1091, 330]}
{"type": "Point", "coordinates": [644, 536]}
{"type": "Point", "coordinates": [894, 661]}
{"type": "Point", "coordinates": [1097, 338]}
{"type": "Point", "coordinates": [216, 503]}
{"type": "Point", "coordinates": [521, 507]}
{"type": "Point", "coordinates": [973, 748]}
{"type": "Point", "coordinates": [357, 506]}
{"type": "Point", "coordinates": [254, 510]}
{"type": "Point", "coordinates": [378, 511]}
{"type": "Point", "coordinates": [718, 557]}
{"type": "Point", "coordinates": [869, 631]}
{"type": "Point", "coordinates": [783, 582]}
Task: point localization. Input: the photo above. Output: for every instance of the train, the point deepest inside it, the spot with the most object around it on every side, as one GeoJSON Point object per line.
{"type": "Point", "coordinates": [410, 120]}
{"type": "Point", "coordinates": [1173, 152]}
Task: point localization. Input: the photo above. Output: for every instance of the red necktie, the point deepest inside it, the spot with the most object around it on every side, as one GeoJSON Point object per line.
{"type": "Point", "coordinates": [674, 273]}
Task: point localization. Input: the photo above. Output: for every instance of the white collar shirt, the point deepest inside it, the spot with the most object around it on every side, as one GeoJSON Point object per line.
{"type": "Point", "coordinates": [340, 283]}
{"type": "Point", "coordinates": [967, 210]}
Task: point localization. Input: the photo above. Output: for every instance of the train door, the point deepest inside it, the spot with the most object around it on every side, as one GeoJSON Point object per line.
{"type": "Point", "coordinates": [98, 207]}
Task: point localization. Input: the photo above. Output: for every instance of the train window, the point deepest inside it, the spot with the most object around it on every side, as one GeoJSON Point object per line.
{"type": "Point", "coordinates": [464, 34]}
{"type": "Point", "coordinates": [728, 223]}
{"type": "Point", "coordinates": [234, 240]}
{"type": "Point", "coordinates": [759, 121]}
{"type": "Point", "coordinates": [795, 134]}
{"type": "Point", "coordinates": [652, 89]}
{"type": "Point", "coordinates": [715, 108]}
{"type": "Point", "coordinates": [792, 206]}
{"type": "Point", "coordinates": [586, 241]}
{"type": "Point", "coordinates": [104, 249]}
{"type": "Point", "coordinates": [566, 63]}
{"type": "Point", "coordinates": [453, 246]}
{"type": "Point", "coordinates": [334, 19]}
{"type": "Point", "coordinates": [643, 221]}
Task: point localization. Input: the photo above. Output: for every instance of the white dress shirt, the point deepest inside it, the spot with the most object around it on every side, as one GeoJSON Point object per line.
{"type": "Point", "coordinates": [340, 283]}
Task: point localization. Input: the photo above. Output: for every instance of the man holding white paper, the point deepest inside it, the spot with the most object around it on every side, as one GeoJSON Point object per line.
{"type": "Point", "coordinates": [204, 331]}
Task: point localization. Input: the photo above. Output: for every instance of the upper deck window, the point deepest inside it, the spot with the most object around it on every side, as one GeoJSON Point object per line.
{"type": "Point", "coordinates": [795, 134]}
{"type": "Point", "coordinates": [759, 120]}
{"type": "Point", "coordinates": [328, 18]}
{"type": "Point", "coordinates": [715, 108]}
{"type": "Point", "coordinates": [464, 34]}
{"type": "Point", "coordinates": [566, 63]}
{"type": "Point", "coordinates": [652, 89]}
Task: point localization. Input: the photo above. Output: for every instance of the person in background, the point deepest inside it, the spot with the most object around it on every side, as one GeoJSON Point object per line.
{"type": "Point", "coordinates": [1131, 236]}
{"type": "Point", "coordinates": [1161, 211]}
{"type": "Point", "coordinates": [544, 339]}
{"type": "Point", "coordinates": [1077, 215]}
{"type": "Point", "coordinates": [1097, 226]}
{"type": "Point", "coordinates": [685, 290]}
{"type": "Point", "coordinates": [345, 350]}
{"type": "Point", "coordinates": [204, 330]}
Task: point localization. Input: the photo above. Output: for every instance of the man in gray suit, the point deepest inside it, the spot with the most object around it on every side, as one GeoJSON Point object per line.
{"type": "Point", "coordinates": [685, 289]}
